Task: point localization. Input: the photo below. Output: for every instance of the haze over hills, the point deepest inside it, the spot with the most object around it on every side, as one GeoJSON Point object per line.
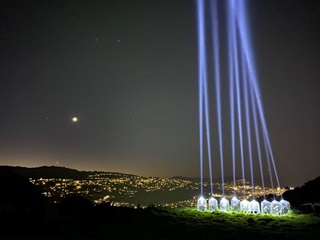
{"type": "Point", "coordinates": [127, 189]}
{"type": "Point", "coordinates": [57, 182]}
{"type": "Point", "coordinates": [64, 172]}
{"type": "Point", "coordinates": [49, 172]}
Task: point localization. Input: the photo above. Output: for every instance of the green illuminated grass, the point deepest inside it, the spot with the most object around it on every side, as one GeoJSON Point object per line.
{"type": "Point", "coordinates": [244, 225]}
{"type": "Point", "coordinates": [189, 223]}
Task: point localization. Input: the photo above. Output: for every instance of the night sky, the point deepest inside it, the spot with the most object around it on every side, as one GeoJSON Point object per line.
{"type": "Point", "coordinates": [128, 71]}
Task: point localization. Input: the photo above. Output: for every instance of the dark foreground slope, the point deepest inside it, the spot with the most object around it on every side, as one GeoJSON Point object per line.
{"type": "Point", "coordinates": [76, 218]}
{"type": "Point", "coordinates": [308, 192]}
{"type": "Point", "coordinates": [47, 172]}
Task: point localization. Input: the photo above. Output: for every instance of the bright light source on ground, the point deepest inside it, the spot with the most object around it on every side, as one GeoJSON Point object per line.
{"type": "Point", "coordinates": [213, 204]}
{"type": "Point", "coordinates": [254, 207]}
{"type": "Point", "coordinates": [265, 207]}
{"type": "Point", "coordinates": [224, 205]}
{"type": "Point", "coordinates": [285, 206]}
{"type": "Point", "coordinates": [244, 205]}
{"type": "Point", "coordinates": [235, 204]}
{"type": "Point", "coordinates": [202, 204]}
{"type": "Point", "coordinates": [276, 207]}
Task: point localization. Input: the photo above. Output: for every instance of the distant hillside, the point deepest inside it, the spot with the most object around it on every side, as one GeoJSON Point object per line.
{"type": "Point", "coordinates": [55, 172]}
{"type": "Point", "coordinates": [309, 192]}
{"type": "Point", "coordinates": [47, 172]}
{"type": "Point", "coordinates": [63, 172]}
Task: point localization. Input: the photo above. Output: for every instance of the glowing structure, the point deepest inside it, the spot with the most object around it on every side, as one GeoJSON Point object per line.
{"type": "Point", "coordinates": [244, 206]}
{"type": "Point", "coordinates": [235, 204]}
{"type": "Point", "coordinates": [276, 207]}
{"type": "Point", "coordinates": [254, 207]}
{"type": "Point", "coordinates": [247, 120]}
{"type": "Point", "coordinates": [202, 204]}
{"type": "Point", "coordinates": [224, 205]}
{"type": "Point", "coordinates": [213, 204]}
{"type": "Point", "coordinates": [285, 206]}
{"type": "Point", "coordinates": [265, 207]}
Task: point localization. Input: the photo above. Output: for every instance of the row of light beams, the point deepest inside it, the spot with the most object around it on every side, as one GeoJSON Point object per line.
{"type": "Point", "coordinates": [243, 92]}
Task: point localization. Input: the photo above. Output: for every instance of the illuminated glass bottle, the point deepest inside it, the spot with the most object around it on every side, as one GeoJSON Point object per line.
{"type": "Point", "coordinates": [213, 204]}
{"type": "Point", "coordinates": [244, 205]}
{"type": "Point", "coordinates": [224, 204]}
{"type": "Point", "coordinates": [235, 204]}
{"type": "Point", "coordinates": [202, 204]}
{"type": "Point", "coordinates": [254, 207]}
{"type": "Point", "coordinates": [285, 206]}
{"type": "Point", "coordinates": [265, 207]}
{"type": "Point", "coordinates": [276, 207]}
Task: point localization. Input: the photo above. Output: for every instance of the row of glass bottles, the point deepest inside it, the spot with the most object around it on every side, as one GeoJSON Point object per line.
{"type": "Point", "coordinates": [267, 207]}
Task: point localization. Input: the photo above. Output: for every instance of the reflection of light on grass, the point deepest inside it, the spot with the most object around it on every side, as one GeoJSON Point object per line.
{"type": "Point", "coordinates": [291, 216]}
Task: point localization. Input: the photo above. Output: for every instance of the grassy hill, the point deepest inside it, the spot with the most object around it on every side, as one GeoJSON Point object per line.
{"type": "Point", "coordinates": [188, 223]}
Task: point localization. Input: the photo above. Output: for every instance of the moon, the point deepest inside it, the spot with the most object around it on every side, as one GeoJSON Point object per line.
{"type": "Point", "coordinates": [74, 119]}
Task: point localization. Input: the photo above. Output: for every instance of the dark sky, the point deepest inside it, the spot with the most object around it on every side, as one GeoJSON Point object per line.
{"type": "Point", "coordinates": [128, 71]}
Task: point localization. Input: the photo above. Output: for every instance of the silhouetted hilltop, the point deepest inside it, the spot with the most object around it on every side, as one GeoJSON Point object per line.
{"type": "Point", "coordinates": [48, 172]}
{"type": "Point", "coordinates": [21, 206]}
{"type": "Point", "coordinates": [18, 192]}
{"type": "Point", "coordinates": [55, 172]}
{"type": "Point", "coordinates": [63, 172]}
{"type": "Point", "coordinates": [309, 192]}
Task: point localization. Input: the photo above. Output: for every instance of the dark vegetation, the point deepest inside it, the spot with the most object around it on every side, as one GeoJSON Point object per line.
{"type": "Point", "coordinates": [25, 213]}
{"type": "Point", "coordinates": [48, 172]}
{"type": "Point", "coordinates": [309, 192]}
